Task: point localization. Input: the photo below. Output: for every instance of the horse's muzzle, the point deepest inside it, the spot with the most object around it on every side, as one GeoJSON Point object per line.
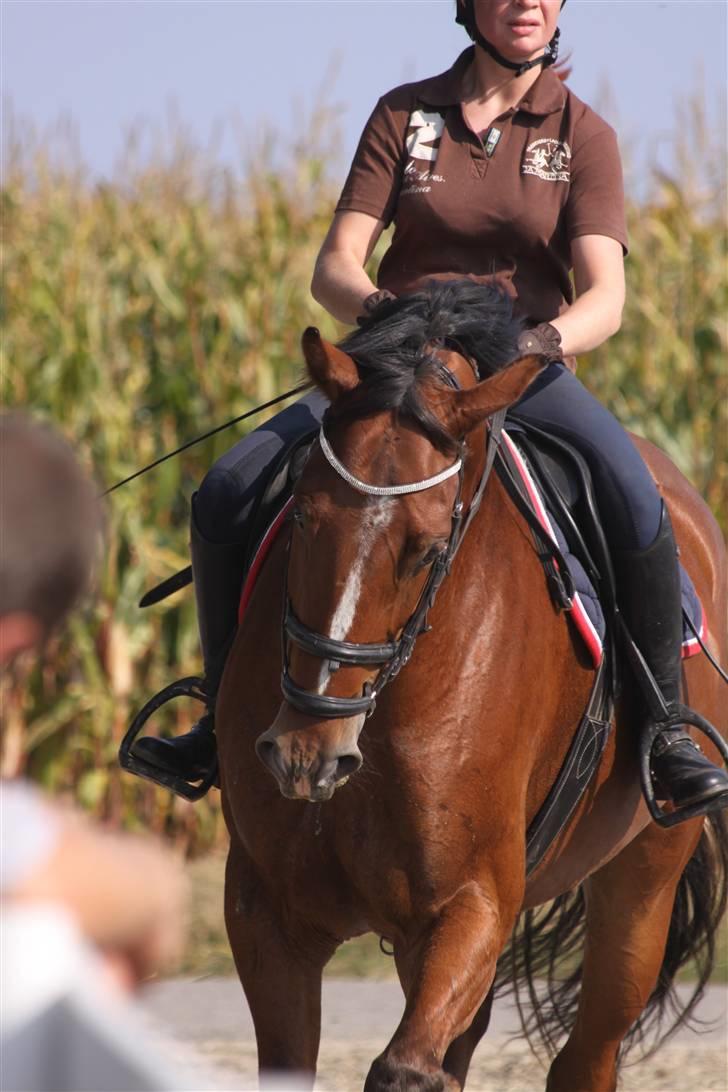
{"type": "Point", "coordinates": [307, 768]}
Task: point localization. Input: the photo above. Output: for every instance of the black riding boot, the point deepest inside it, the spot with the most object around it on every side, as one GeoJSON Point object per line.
{"type": "Point", "coordinates": [650, 593]}
{"type": "Point", "coordinates": [218, 575]}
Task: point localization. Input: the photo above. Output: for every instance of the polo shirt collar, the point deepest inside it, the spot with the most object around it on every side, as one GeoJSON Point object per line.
{"type": "Point", "coordinates": [546, 96]}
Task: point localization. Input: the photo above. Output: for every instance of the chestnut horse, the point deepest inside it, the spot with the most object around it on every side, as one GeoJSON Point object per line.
{"type": "Point", "coordinates": [425, 843]}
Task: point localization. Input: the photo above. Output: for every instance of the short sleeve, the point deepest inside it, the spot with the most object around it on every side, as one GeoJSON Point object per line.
{"type": "Point", "coordinates": [374, 179]}
{"type": "Point", "coordinates": [29, 830]}
{"type": "Point", "coordinates": [596, 195]}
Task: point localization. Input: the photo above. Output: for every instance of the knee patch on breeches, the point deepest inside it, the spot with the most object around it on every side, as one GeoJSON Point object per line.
{"type": "Point", "coordinates": [221, 507]}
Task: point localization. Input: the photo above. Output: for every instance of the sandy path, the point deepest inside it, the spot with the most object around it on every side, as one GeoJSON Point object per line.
{"type": "Point", "coordinates": [211, 1016]}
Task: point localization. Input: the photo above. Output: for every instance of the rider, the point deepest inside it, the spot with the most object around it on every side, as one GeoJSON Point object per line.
{"type": "Point", "coordinates": [493, 170]}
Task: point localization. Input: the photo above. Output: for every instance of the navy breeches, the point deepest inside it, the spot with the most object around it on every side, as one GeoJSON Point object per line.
{"type": "Point", "coordinates": [225, 500]}
{"type": "Point", "coordinates": [627, 497]}
{"type": "Point", "coordinates": [628, 500]}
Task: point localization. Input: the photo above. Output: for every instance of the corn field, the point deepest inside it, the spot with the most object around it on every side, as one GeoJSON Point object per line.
{"type": "Point", "coordinates": [141, 312]}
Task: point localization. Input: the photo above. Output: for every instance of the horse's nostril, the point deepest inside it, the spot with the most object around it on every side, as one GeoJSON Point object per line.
{"type": "Point", "coordinates": [347, 765]}
{"type": "Point", "coordinates": [336, 770]}
{"type": "Point", "coordinates": [265, 750]}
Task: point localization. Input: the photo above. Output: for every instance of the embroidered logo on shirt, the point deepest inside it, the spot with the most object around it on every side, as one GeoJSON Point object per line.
{"type": "Point", "coordinates": [423, 135]}
{"type": "Point", "coordinates": [548, 159]}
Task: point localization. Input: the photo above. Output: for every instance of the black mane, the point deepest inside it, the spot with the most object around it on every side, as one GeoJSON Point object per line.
{"type": "Point", "coordinates": [393, 348]}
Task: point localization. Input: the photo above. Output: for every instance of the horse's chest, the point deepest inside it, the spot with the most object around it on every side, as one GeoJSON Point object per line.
{"type": "Point", "coordinates": [410, 858]}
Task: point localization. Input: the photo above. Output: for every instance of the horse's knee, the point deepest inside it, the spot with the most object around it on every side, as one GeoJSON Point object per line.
{"type": "Point", "coordinates": [387, 1075]}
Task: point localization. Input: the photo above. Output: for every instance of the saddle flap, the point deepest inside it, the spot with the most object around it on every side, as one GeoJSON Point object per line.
{"type": "Point", "coordinates": [540, 472]}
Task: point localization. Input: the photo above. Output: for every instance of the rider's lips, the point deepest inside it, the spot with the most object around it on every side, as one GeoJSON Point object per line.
{"type": "Point", "coordinates": [522, 30]}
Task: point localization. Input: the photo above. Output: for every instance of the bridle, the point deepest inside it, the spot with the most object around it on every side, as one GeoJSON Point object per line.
{"type": "Point", "coordinates": [392, 655]}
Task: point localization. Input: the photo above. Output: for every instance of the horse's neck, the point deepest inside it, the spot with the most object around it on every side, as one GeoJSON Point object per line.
{"type": "Point", "coordinates": [497, 545]}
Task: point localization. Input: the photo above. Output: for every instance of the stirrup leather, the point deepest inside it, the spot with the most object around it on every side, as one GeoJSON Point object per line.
{"type": "Point", "coordinates": [190, 687]}
{"type": "Point", "coordinates": [679, 715]}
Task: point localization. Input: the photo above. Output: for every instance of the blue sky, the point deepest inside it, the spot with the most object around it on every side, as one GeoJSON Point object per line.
{"type": "Point", "coordinates": [233, 68]}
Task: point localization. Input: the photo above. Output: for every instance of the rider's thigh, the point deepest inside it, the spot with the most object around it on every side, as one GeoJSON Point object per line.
{"type": "Point", "coordinates": [626, 492]}
{"type": "Point", "coordinates": [226, 497]}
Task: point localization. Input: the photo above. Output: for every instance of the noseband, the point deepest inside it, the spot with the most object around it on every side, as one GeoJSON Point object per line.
{"type": "Point", "coordinates": [392, 655]}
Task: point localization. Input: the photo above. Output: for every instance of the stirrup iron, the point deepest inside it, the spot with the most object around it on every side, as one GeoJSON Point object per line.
{"type": "Point", "coordinates": [663, 718]}
{"type": "Point", "coordinates": [679, 715]}
{"type": "Point", "coordinates": [190, 687]}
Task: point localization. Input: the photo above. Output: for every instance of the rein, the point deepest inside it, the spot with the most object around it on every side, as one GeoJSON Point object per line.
{"type": "Point", "coordinates": [392, 655]}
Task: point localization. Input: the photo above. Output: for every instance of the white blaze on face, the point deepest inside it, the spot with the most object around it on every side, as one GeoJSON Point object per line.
{"type": "Point", "coordinates": [376, 517]}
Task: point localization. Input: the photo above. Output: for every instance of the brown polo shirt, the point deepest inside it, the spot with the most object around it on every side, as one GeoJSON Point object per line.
{"type": "Point", "coordinates": [502, 206]}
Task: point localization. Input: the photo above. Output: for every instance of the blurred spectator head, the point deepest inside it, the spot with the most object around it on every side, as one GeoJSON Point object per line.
{"type": "Point", "coordinates": [50, 530]}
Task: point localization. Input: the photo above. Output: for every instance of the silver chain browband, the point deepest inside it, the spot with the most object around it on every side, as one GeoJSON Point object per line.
{"type": "Point", "coordinates": [384, 490]}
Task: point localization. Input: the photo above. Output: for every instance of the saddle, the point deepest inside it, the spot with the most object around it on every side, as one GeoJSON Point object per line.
{"type": "Point", "coordinates": [552, 480]}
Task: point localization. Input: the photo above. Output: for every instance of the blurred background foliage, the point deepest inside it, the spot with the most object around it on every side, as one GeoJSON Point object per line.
{"type": "Point", "coordinates": [142, 311]}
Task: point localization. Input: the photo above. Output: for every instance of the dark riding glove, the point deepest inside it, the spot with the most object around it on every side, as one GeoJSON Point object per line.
{"type": "Point", "coordinates": [372, 302]}
{"type": "Point", "coordinates": [543, 340]}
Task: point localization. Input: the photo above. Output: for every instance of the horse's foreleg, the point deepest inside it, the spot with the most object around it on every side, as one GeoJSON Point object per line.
{"type": "Point", "coordinates": [446, 975]}
{"type": "Point", "coordinates": [280, 968]}
{"type": "Point", "coordinates": [460, 1052]}
{"type": "Point", "coordinates": [629, 906]}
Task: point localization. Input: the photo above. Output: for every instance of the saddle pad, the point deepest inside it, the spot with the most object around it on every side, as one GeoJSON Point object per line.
{"type": "Point", "coordinates": [586, 612]}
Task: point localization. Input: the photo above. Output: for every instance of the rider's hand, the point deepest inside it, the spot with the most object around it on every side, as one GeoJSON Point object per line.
{"type": "Point", "coordinates": [372, 301]}
{"type": "Point", "coordinates": [543, 340]}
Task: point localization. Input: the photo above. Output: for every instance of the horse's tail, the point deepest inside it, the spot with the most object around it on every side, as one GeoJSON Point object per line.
{"type": "Point", "coordinates": [544, 961]}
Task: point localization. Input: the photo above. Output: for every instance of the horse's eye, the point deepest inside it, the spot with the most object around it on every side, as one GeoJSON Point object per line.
{"type": "Point", "coordinates": [434, 552]}
{"type": "Point", "coordinates": [431, 556]}
{"type": "Point", "coordinates": [297, 517]}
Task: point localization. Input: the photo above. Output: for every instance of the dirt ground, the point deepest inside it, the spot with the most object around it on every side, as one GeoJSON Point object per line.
{"type": "Point", "coordinates": [496, 1068]}
{"type": "Point", "coordinates": [210, 1018]}
{"type": "Point", "coordinates": [362, 1004]}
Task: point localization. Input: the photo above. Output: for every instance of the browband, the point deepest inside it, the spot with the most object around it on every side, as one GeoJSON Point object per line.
{"type": "Point", "coordinates": [384, 490]}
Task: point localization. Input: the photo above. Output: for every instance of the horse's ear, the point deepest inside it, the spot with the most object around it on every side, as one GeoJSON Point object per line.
{"type": "Point", "coordinates": [469, 408]}
{"type": "Point", "coordinates": [331, 369]}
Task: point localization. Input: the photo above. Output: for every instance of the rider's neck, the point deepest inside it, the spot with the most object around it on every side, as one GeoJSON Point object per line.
{"type": "Point", "coordinates": [487, 83]}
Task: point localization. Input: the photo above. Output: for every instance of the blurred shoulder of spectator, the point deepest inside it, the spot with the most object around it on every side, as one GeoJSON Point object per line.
{"type": "Point", "coordinates": [124, 894]}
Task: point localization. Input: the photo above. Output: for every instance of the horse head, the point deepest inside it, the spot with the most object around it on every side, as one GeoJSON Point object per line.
{"type": "Point", "coordinates": [376, 515]}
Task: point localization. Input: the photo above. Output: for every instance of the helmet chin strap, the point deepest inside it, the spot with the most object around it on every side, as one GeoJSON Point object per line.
{"type": "Point", "coordinates": [466, 17]}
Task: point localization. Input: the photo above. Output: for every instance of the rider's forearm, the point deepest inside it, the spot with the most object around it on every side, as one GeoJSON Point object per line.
{"type": "Point", "coordinates": [340, 285]}
{"type": "Point", "coordinates": [591, 319]}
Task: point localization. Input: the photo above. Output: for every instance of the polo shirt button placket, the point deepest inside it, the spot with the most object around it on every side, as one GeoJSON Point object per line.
{"type": "Point", "coordinates": [478, 160]}
{"type": "Point", "coordinates": [480, 156]}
